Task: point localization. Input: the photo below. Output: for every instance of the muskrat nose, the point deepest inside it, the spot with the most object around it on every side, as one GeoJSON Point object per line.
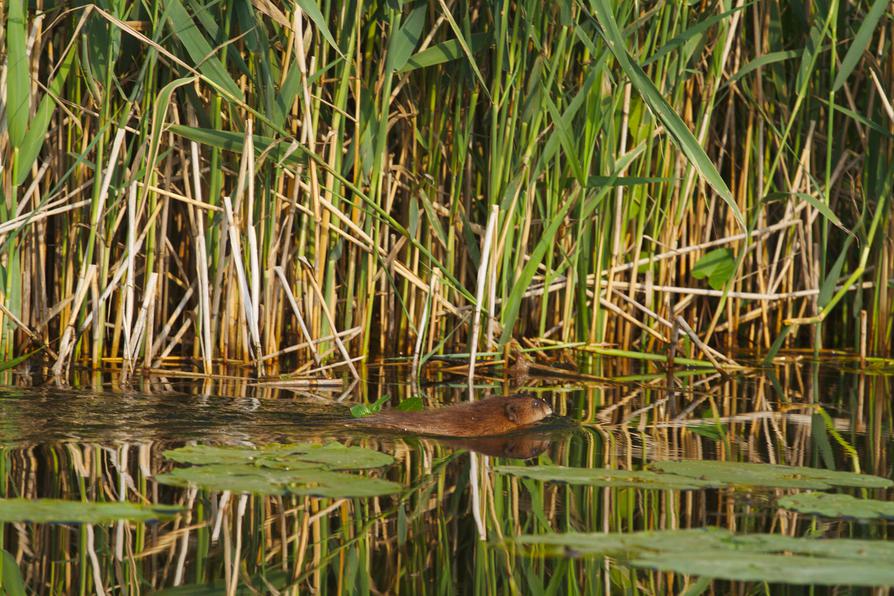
{"type": "Point", "coordinates": [547, 408]}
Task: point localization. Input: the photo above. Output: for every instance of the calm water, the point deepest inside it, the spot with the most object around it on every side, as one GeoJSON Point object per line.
{"type": "Point", "coordinates": [103, 443]}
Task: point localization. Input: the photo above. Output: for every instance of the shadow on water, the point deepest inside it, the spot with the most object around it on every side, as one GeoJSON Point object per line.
{"type": "Point", "coordinates": [406, 523]}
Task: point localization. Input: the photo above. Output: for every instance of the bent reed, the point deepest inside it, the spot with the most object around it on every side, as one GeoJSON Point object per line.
{"type": "Point", "coordinates": [303, 185]}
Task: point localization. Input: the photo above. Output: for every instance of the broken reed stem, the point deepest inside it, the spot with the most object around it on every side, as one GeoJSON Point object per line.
{"type": "Point", "coordinates": [309, 342]}
{"type": "Point", "coordinates": [65, 345]}
{"type": "Point", "coordinates": [328, 314]}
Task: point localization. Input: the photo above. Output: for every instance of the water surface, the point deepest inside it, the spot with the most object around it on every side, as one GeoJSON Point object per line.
{"type": "Point", "coordinates": [104, 443]}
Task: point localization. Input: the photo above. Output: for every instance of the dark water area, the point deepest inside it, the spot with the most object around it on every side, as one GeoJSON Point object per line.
{"type": "Point", "coordinates": [300, 500]}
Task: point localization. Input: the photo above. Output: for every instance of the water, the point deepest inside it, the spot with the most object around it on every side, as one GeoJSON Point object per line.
{"type": "Point", "coordinates": [104, 443]}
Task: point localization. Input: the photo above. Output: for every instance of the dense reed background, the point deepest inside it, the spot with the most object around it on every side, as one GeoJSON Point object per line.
{"type": "Point", "coordinates": [215, 181]}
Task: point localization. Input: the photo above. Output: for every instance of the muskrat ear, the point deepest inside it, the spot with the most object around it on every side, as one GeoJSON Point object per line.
{"type": "Point", "coordinates": [512, 412]}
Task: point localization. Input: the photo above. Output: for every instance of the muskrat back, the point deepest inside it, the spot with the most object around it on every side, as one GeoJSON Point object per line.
{"type": "Point", "coordinates": [491, 416]}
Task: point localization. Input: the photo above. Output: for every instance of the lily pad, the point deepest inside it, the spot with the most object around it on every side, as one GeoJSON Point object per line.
{"type": "Point", "coordinates": [303, 455]}
{"type": "Point", "coordinates": [301, 469]}
{"type": "Point", "coordinates": [81, 512]}
{"type": "Point", "coordinates": [608, 477]}
{"type": "Point", "coordinates": [838, 505]}
{"type": "Point", "coordinates": [717, 553]}
{"type": "Point", "coordinates": [768, 475]}
{"type": "Point", "coordinates": [247, 478]}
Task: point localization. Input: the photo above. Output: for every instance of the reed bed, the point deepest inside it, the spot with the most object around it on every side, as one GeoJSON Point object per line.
{"type": "Point", "coordinates": [300, 186]}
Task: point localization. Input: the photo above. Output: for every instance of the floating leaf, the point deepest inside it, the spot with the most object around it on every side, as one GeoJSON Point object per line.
{"type": "Point", "coordinates": [84, 512]}
{"type": "Point", "coordinates": [838, 505]}
{"type": "Point", "coordinates": [607, 477]}
{"type": "Point", "coordinates": [718, 266]}
{"type": "Point", "coordinates": [768, 475]}
{"type": "Point", "coordinates": [247, 478]}
{"type": "Point", "coordinates": [712, 552]}
{"type": "Point", "coordinates": [283, 457]}
{"type": "Point", "coordinates": [302, 469]}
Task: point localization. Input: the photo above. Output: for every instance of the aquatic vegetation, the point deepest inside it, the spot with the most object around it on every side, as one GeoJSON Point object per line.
{"type": "Point", "coordinates": [58, 511]}
{"type": "Point", "coordinates": [769, 475]}
{"type": "Point", "coordinates": [717, 553]}
{"type": "Point", "coordinates": [281, 469]}
{"type": "Point", "coordinates": [838, 505]}
{"type": "Point", "coordinates": [303, 186]}
{"type": "Point", "coordinates": [635, 498]}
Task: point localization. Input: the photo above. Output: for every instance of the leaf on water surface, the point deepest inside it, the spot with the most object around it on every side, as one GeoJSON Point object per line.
{"type": "Point", "coordinates": [61, 511]}
{"type": "Point", "coordinates": [773, 568]}
{"type": "Point", "coordinates": [607, 477]}
{"type": "Point", "coordinates": [768, 475]}
{"type": "Point", "coordinates": [298, 456]}
{"type": "Point", "coordinates": [717, 265]}
{"type": "Point", "coordinates": [338, 457]}
{"type": "Point", "coordinates": [247, 478]}
{"type": "Point", "coordinates": [838, 505]}
{"type": "Point", "coordinates": [302, 469]}
{"type": "Point", "coordinates": [713, 552]}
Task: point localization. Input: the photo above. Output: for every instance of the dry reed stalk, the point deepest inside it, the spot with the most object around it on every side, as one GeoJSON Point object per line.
{"type": "Point", "coordinates": [309, 342]}
{"type": "Point", "coordinates": [328, 314]}
{"type": "Point", "coordinates": [247, 306]}
{"type": "Point", "coordinates": [65, 345]}
{"type": "Point", "coordinates": [479, 292]}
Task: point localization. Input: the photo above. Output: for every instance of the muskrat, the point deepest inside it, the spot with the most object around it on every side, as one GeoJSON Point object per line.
{"type": "Point", "coordinates": [487, 417]}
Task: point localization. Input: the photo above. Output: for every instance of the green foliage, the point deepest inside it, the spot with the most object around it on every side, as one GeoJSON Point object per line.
{"type": "Point", "coordinates": [744, 557]}
{"type": "Point", "coordinates": [768, 475]}
{"type": "Point", "coordinates": [301, 469]}
{"type": "Point", "coordinates": [362, 410]}
{"type": "Point", "coordinates": [718, 266]}
{"type": "Point", "coordinates": [838, 505]}
{"type": "Point", "coordinates": [50, 511]}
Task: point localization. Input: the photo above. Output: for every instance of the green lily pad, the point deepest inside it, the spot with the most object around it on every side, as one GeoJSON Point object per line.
{"type": "Point", "coordinates": [717, 553]}
{"type": "Point", "coordinates": [838, 505]}
{"type": "Point", "coordinates": [303, 455]}
{"type": "Point", "coordinates": [768, 475]}
{"type": "Point", "coordinates": [774, 568]}
{"type": "Point", "coordinates": [248, 478]}
{"type": "Point", "coordinates": [301, 469]}
{"type": "Point", "coordinates": [81, 512]}
{"type": "Point", "coordinates": [607, 477]}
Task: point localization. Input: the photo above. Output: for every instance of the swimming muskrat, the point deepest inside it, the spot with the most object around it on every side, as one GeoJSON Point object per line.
{"type": "Point", "coordinates": [487, 417]}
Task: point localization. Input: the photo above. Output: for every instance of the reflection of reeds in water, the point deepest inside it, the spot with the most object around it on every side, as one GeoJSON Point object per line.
{"type": "Point", "coordinates": [426, 539]}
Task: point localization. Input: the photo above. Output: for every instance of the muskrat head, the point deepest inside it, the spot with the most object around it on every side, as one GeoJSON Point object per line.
{"type": "Point", "coordinates": [527, 410]}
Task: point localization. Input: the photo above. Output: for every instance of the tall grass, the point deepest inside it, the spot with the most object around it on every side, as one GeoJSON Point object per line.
{"type": "Point", "coordinates": [226, 182]}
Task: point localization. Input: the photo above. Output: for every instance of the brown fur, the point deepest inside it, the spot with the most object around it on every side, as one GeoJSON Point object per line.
{"type": "Point", "coordinates": [487, 417]}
